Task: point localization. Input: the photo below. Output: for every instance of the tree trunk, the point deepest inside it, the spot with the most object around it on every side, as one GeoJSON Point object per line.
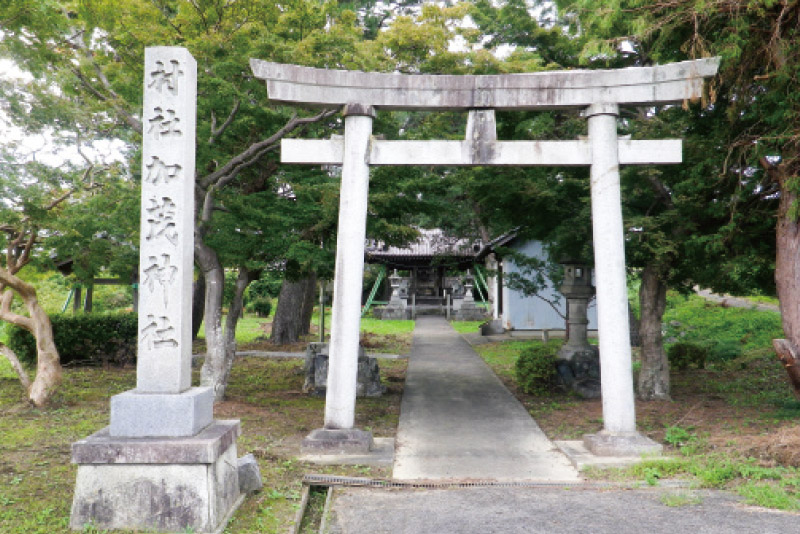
{"type": "Point", "coordinates": [213, 373]}
{"type": "Point", "coordinates": [308, 304]}
{"type": "Point", "coordinates": [234, 313]}
{"type": "Point", "coordinates": [198, 303]}
{"type": "Point", "coordinates": [293, 314]}
{"type": "Point", "coordinates": [48, 366]}
{"type": "Point", "coordinates": [787, 280]}
{"type": "Point", "coordinates": [654, 373]}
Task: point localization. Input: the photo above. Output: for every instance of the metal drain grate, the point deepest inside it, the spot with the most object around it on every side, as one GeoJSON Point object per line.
{"type": "Point", "coordinates": [330, 480]}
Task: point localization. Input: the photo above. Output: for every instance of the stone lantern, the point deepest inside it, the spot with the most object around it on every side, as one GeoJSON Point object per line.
{"type": "Point", "coordinates": [578, 362]}
{"type": "Point", "coordinates": [394, 283]}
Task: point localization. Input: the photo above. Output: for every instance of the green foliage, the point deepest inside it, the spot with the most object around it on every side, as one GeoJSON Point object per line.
{"type": "Point", "coordinates": [81, 339]}
{"type": "Point", "coordinates": [724, 332]}
{"type": "Point", "coordinates": [681, 355]}
{"type": "Point", "coordinates": [261, 306]}
{"type": "Point", "coordinates": [536, 368]}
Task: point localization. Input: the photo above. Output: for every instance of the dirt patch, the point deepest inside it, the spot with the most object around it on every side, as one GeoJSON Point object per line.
{"type": "Point", "coordinates": [730, 423]}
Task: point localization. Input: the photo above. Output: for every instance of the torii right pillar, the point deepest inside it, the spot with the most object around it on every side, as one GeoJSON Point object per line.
{"type": "Point", "coordinates": [619, 436]}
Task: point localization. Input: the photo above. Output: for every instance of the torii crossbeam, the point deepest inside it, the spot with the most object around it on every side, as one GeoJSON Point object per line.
{"type": "Point", "coordinates": [598, 92]}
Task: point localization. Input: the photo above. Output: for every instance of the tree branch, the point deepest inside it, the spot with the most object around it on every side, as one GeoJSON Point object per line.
{"type": "Point", "coordinates": [256, 148]}
{"type": "Point", "coordinates": [216, 132]}
{"type": "Point", "coordinates": [18, 368]}
{"type": "Point", "coordinates": [5, 306]}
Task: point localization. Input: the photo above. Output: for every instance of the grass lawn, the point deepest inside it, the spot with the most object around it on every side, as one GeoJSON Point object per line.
{"type": "Point", "coordinates": [37, 479]}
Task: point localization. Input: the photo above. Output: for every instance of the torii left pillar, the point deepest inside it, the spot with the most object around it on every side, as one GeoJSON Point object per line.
{"type": "Point", "coordinates": [163, 464]}
{"type": "Point", "coordinates": [339, 434]}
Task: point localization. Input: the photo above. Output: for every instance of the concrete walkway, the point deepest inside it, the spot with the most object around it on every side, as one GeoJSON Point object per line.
{"type": "Point", "coordinates": [545, 510]}
{"type": "Point", "coordinates": [459, 422]}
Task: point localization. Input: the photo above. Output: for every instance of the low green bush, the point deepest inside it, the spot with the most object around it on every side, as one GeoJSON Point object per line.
{"type": "Point", "coordinates": [535, 368]}
{"type": "Point", "coordinates": [88, 339]}
{"type": "Point", "coordinates": [681, 355]}
{"type": "Point", "coordinates": [261, 306]}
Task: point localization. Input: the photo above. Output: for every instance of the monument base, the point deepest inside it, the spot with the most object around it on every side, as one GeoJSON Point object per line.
{"type": "Point", "coordinates": [136, 415]}
{"type": "Point", "coordinates": [621, 444]}
{"type": "Point", "coordinates": [337, 441]}
{"type": "Point", "coordinates": [159, 484]}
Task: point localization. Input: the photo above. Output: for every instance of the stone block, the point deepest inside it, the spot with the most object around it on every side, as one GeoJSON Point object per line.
{"type": "Point", "coordinates": [249, 474]}
{"type": "Point", "coordinates": [337, 441]}
{"type": "Point", "coordinates": [368, 382]}
{"type": "Point", "coordinates": [493, 327]}
{"type": "Point", "coordinates": [621, 444]}
{"type": "Point", "coordinates": [142, 415]}
{"type": "Point", "coordinates": [161, 484]}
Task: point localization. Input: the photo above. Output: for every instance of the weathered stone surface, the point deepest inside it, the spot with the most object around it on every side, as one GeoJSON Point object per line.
{"type": "Point", "coordinates": [135, 414]}
{"type": "Point", "coordinates": [337, 441]}
{"type": "Point", "coordinates": [166, 266]}
{"type": "Point", "coordinates": [496, 153]}
{"type": "Point", "coordinates": [368, 382]}
{"type": "Point", "coordinates": [606, 443]}
{"type": "Point", "coordinates": [249, 474]}
{"type": "Point", "coordinates": [549, 90]}
{"type": "Point", "coordinates": [204, 448]}
{"type": "Point", "coordinates": [166, 496]}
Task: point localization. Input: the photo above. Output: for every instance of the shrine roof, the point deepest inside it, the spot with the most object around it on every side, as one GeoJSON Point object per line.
{"type": "Point", "coordinates": [431, 244]}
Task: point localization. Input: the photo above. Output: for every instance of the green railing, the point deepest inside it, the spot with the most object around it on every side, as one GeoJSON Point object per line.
{"type": "Point", "coordinates": [375, 286]}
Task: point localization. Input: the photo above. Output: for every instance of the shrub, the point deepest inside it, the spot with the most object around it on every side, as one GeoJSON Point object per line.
{"type": "Point", "coordinates": [261, 306]}
{"type": "Point", "coordinates": [681, 355]}
{"type": "Point", "coordinates": [536, 368]}
{"type": "Point", "coordinates": [89, 339]}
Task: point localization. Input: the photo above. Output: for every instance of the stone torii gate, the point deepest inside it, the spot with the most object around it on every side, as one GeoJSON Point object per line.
{"type": "Point", "coordinates": [598, 92]}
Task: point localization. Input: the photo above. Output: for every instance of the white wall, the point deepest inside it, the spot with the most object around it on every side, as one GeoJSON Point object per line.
{"type": "Point", "coordinates": [533, 313]}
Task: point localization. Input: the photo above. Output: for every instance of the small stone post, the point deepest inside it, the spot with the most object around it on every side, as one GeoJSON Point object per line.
{"type": "Point", "coordinates": [163, 464]}
{"type": "Point", "coordinates": [340, 398]}
{"type": "Point", "coordinates": [619, 436]}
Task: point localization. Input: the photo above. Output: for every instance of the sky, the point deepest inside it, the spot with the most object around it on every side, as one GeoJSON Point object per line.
{"type": "Point", "coordinates": [42, 147]}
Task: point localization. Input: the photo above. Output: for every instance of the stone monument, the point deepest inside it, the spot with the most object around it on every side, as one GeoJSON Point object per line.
{"type": "Point", "coordinates": [163, 463]}
{"type": "Point", "coordinates": [578, 362]}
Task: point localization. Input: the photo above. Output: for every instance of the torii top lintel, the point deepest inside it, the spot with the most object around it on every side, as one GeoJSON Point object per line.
{"type": "Point", "coordinates": [663, 84]}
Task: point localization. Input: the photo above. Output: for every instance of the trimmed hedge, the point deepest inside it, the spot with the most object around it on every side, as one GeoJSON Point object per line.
{"type": "Point", "coordinates": [83, 339]}
{"type": "Point", "coordinates": [536, 368]}
{"type": "Point", "coordinates": [261, 306]}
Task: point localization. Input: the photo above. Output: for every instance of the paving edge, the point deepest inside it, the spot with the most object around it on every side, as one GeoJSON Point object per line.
{"type": "Point", "coordinates": [581, 457]}
{"type": "Point", "coordinates": [382, 454]}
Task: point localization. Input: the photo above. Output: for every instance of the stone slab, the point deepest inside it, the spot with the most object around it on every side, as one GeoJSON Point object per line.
{"type": "Point", "coordinates": [571, 153]}
{"type": "Point", "coordinates": [135, 414]}
{"type": "Point", "coordinates": [621, 444]}
{"type": "Point", "coordinates": [324, 441]}
{"type": "Point", "coordinates": [381, 454]}
{"type": "Point", "coordinates": [674, 82]}
{"type": "Point", "coordinates": [175, 497]}
{"type": "Point", "coordinates": [582, 458]}
{"type": "Point", "coordinates": [204, 448]}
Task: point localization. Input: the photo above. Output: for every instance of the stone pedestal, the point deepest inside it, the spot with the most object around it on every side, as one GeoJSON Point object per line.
{"type": "Point", "coordinates": [621, 444]}
{"type": "Point", "coordinates": [142, 415]}
{"type": "Point", "coordinates": [368, 381]}
{"type": "Point", "coordinates": [161, 484]}
{"type": "Point", "coordinates": [467, 310]}
{"type": "Point", "coordinates": [337, 441]}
